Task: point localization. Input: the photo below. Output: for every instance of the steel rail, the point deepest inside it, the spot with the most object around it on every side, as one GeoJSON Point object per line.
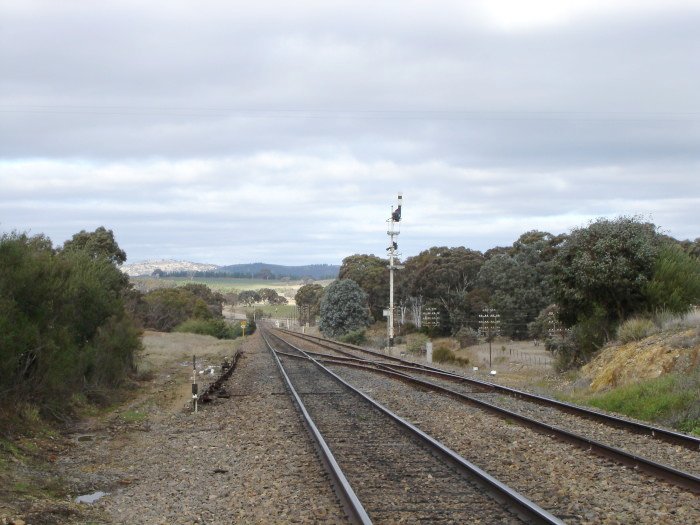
{"type": "Point", "coordinates": [518, 503]}
{"type": "Point", "coordinates": [678, 477]}
{"type": "Point", "coordinates": [662, 434]}
{"type": "Point", "coordinates": [675, 476]}
{"type": "Point", "coordinates": [351, 503]}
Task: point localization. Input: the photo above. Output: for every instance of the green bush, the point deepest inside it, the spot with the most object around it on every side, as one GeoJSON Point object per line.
{"type": "Point", "coordinates": [675, 285]}
{"type": "Point", "coordinates": [166, 308]}
{"type": "Point", "coordinates": [415, 343]}
{"type": "Point", "coordinates": [343, 308]}
{"type": "Point", "coordinates": [443, 355]}
{"type": "Point", "coordinates": [636, 329]}
{"type": "Point", "coordinates": [63, 326]}
{"type": "Point", "coordinates": [466, 336]}
{"type": "Point", "coordinates": [214, 327]}
{"type": "Point", "coordinates": [580, 343]}
{"type": "Point", "coordinates": [355, 337]}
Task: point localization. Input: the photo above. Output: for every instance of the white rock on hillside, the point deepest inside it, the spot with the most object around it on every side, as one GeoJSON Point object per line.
{"type": "Point", "coordinates": [166, 265]}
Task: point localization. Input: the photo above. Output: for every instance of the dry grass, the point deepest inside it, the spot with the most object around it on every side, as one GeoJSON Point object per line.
{"type": "Point", "coordinates": [636, 329]}
{"type": "Point", "coordinates": [166, 348]}
{"type": "Point", "coordinates": [667, 321]}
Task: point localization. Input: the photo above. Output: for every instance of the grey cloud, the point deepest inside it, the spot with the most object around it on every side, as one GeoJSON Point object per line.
{"type": "Point", "coordinates": [227, 131]}
{"type": "Point", "coordinates": [134, 83]}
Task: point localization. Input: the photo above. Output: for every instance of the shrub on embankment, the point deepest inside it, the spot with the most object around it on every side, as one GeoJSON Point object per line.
{"type": "Point", "coordinates": [445, 355]}
{"type": "Point", "coordinates": [192, 308]}
{"type": "Point", "coordinates": [63, 326]}
{"type": "Point", "coordinates": [214, 327]}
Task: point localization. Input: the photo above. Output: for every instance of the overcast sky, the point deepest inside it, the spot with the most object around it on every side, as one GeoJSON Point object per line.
{"type": "Point", "coordinates": [232, 132]}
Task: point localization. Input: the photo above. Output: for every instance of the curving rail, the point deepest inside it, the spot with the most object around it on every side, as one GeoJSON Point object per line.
{"type": "Point", "coordinates": [523, 507]}
{"type": "Point", "coordinates": [673, 475]}
{"type": "Point", "coordinates": [663, 434]}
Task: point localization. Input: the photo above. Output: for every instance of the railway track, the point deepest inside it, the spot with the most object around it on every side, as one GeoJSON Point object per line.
{"type": "Point", "coordinates": [633, 436]}
{"type": "Point", "coordinates": [384, 468]}
{"type": "Point", "coordinates": [683, 456]}
{"type": "Point", "coordinates": [663, 434]}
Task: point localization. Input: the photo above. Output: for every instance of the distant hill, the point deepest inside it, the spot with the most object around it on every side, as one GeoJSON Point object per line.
{"type": "Point", "coordinates": [278, 271]}
{"type": "Point", "coordinates": [167, 266]}
{"type": "Point", "coordinates": [253, 270]}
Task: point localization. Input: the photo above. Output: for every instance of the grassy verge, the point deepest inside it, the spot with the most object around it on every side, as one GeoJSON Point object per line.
{"type": "Point", "coordinates": [673, 399]}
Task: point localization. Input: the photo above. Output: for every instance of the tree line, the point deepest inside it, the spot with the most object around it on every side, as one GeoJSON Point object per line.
{"type": "Point", "coordinates": [71, 322]}
{"type": "Point", "coordinates": [584, 284]}
{"type": "Point", "coordinates": [64, 325]}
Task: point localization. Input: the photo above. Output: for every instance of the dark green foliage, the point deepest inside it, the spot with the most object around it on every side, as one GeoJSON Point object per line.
{"type": "Point", "coordinates": [600, 277]}
{"type": "Point", "coordinates": [63, 326]}
{"type": "Point", "coordinates": [270, 296]}
{"type": "Point", "coordinates": [575, 347]}
{"type": "Point", "coordinates": [371, 274]}
{"type": "Point", "coordinates": [308, 300]}
{"type": "Point", "coordinates": [251, 317]}
{"type": "Point", "coordinates": [444, 355]}
{"type": "Point", "coordinates": [213, 300]}
{"type": "Point", "coordinates": [605, 266]}
{"type": "Point", "coordinates": [519, 280]}
{"type": "Point", "coordinates": [214, 327]}
{"type": "Point", "coordinates": [164, 309]}
{"type": "Point", "coordinates": [249, 297]}
{"type": "Point", "coordinates": [168, 307]}
{"type": "Point", "coordinates": [356, 337]}
{"type": "Point", "coordinates": [343, 308]}
{"type": "Point", "coordinates": [445, 277]}
{"type": "Point", "coordinates": [539, 328]}
{"type": "Point", "coordinates": [675, 284]}
{"type": "Point", "coordinates": [467, 336]}
{"type": "Point", "coordinates": [590, 281]}
{"type": "Point", "coordinates": [97, 244]}
{"type": "Point", "coordinates": [313, 271]}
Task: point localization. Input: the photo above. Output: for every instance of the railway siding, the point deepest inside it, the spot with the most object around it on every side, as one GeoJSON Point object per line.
{"type": "Point", "coordinates": [565, 480]}
{"type": "Point", "coordinates": [394, 475]}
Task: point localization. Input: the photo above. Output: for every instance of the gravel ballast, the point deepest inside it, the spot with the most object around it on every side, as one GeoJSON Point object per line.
{"type": "Point", "coordinates": [246, 459]}
{"type": "Point", "coordinates": [573, 484]}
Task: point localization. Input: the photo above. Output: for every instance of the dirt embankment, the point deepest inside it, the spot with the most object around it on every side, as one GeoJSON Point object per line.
{"type": "Point", "coordinates": [623, 364]}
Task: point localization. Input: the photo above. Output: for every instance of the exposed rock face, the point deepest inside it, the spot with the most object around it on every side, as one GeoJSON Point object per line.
{"type": "Point", "coordinates": [618, 365]}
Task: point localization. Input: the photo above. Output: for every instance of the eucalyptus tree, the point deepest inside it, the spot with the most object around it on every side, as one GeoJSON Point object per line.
{"type": "Point", "coordinates": [343, 308]}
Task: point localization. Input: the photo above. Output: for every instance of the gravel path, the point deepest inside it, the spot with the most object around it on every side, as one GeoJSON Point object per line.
{"type": "Point", "coordinates": [246, 459]}
{"type": "Point", "coordinates": [569, 482]}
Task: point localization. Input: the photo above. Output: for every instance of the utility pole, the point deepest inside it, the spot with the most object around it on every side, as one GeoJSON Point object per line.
{"type": "Point", "coordinates": [393, 232]}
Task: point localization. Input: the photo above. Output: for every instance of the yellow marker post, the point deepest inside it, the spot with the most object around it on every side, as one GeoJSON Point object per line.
{"type": "Point", "coordinates": [243, 325]}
